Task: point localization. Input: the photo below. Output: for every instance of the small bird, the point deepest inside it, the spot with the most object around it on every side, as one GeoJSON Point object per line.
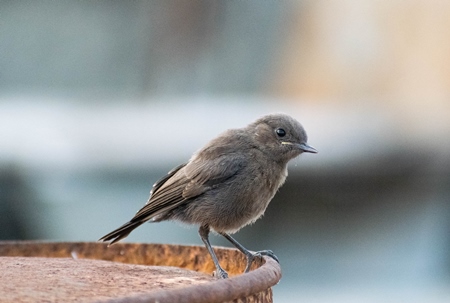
{"type": "Point", "coordinates": [227, 184]}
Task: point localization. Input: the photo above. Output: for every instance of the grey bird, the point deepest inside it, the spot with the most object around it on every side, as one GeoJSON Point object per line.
{"type": "Point", "coordinates": [227, 184]}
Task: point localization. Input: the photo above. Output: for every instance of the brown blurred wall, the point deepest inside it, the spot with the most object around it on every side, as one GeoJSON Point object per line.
{"type": "Point", "coordinates": [390, 50]}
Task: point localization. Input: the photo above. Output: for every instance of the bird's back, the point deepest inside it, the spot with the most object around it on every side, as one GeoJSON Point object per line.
{"type": "Point", "coordinates": [240, 182]}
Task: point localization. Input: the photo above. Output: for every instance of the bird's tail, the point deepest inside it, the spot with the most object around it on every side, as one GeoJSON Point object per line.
{"type": "Point", "coordinates": [120, 233]}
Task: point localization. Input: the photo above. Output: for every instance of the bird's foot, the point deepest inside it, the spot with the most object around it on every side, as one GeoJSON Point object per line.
{"type": "Point", "coordinates": [220, 273]}
{"type": "Point", "coordinates": [259, 254]}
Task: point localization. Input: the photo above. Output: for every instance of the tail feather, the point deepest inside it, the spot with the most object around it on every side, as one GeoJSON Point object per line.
{"type": "Point", "coordinates": [120, 233]}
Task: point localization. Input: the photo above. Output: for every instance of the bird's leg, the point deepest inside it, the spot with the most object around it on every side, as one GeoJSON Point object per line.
{"type": "Point", "coordinates": [250, 255]}
{"type": "Point", "coordinates": [204, 232]}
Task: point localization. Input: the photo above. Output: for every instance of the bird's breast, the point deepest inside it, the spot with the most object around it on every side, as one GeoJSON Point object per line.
{"type": "Point", "coordinates": [267, 187]}
{"type": "Point", "coordinates": [249, 198]}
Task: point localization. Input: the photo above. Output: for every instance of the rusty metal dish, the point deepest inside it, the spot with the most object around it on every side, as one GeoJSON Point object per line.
{"type": "Point", "coordinates": [145, 273]}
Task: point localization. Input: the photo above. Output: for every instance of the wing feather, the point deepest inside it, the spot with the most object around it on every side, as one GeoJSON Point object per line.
{"type": "Point", "coordinates": [207, 169]}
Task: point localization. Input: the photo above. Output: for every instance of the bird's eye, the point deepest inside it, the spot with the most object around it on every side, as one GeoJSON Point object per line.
{"type": "Point", "coordinates": [280, 132]}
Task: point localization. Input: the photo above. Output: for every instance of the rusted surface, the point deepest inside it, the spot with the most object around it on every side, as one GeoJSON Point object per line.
{"type": "Point", "coordinates": [57, 279]}
{"type": "Point", "coordinates": [190, 257]}
{"type": "Point", "coordinates": [115, 282]}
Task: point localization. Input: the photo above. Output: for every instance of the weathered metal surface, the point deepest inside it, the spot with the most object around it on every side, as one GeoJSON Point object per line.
{"type": "Point", "coordinates": [250, 287]}
{"type": "Point", "coordinates": [28, 280]}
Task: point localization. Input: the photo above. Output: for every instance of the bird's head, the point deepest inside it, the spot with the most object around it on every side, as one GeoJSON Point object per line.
{"type": "Point", "coordinates": [281, 136]}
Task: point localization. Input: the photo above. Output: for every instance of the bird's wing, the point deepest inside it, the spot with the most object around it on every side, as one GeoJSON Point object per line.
{"type": "Point", "coordinates": [155, 206]}
{"type": "Point", "coordinates": [161, 182]}
{"type": "Point", "coordinates": [188, 181]}
{"type": "Point", "coordinates": [165, 195]}
{"type": "Point", "coordinates": [205, 174]}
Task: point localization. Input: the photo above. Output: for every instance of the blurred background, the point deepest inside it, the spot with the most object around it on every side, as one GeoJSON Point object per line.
{"type": "Point", "coordinates": [99, 99]}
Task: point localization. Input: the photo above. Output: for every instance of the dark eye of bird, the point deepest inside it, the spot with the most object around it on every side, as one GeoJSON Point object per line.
{"type": "Point", "coordinates": [280, 132]}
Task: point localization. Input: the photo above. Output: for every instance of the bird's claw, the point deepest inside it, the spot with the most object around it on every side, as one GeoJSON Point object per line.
{"type": "Point", "coordinates": [259, 254]}
{"type": "Point", "coordinates": [269, 253]}
{"type": "Point", "coordinates": [220, 273]}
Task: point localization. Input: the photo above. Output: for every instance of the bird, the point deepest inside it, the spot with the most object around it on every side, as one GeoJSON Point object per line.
{"type": "Point", "coordinates": [227, 184]}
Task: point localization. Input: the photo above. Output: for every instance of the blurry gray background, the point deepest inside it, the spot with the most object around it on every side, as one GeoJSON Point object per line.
{"type": "Point", "coordinates": [99, 99]}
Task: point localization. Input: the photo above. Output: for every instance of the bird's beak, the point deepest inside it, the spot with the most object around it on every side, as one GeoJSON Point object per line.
{"type": "Point", "coordinates": [303, 146]}
{"type": "Point", "coordinates": [307, 148]}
